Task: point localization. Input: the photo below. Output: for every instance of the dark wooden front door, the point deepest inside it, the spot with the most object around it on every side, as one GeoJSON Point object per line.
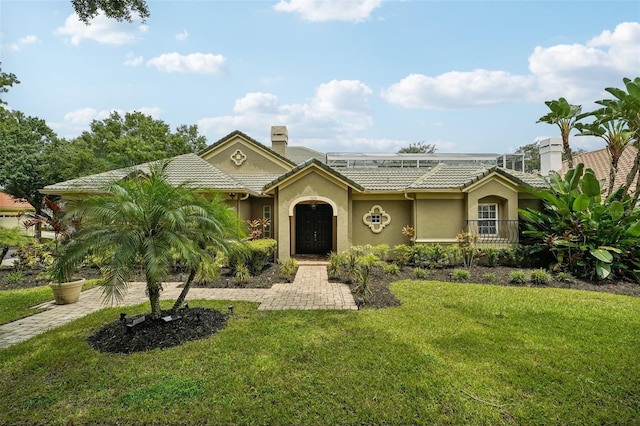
{"type": "Point", "coordinates": [313, 228]}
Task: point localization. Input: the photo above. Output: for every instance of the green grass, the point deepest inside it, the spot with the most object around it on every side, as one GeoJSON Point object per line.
{"type": "Point", "coordinates": [451, 354]}
{"type": "Point", "coordinates": [16, 304]}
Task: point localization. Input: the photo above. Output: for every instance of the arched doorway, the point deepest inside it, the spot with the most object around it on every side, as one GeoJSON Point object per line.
{"type": "Point", "coordinates": [314, 228]}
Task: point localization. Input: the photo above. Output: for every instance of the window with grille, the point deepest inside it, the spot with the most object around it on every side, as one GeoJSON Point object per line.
{"type": "Point", "coordinates": [266, 213]}
{"type": "Point", "coordinates": [487, 219]}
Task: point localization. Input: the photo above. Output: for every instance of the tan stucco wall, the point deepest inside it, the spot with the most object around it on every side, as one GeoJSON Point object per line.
{"type": "Point", "coordinates": [495, 189]}
{"type": "Point", "coordinates": [391, 234]}
{"type": "Point", "coordinates": [439, 219]}
{"type": "Point", "coordinates": [10, 220]}
{"type": "Point", "coordinates": [311, 185]}
{"type": "Point", "coordinates": [257, 161]}
{"type": "Point", "coordinates": [529, 203]}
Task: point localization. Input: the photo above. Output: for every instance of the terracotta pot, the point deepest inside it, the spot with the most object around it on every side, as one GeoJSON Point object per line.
{"type": "Point", "coordinates": [68, 292]}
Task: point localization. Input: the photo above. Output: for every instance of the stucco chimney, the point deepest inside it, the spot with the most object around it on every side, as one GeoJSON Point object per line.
{"type": "Point", "coordinates": [279, 139]}
{"type": "Point", "coordinates": [550, 155]}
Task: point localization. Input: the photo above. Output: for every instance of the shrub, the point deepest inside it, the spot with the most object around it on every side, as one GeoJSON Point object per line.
{"type": "Point", "coordinates": [288, 268]}
{"type": "Point", "coordinates": [490, 256]}
{"type": "Point", "coordinates": [256, 255]}
{"type": "Point", "coordinates": [420, 273]}
{"type": "Point", "coordinates": [381, 251]}
{"type": "Point", "coordinates": [403, 254]}
{"type": "Point", "coordinates": [467, 241]}
{"type": "Point", "coordinates": [334, 268]}
{"type": "Point", "coordinates": [14, 277]}
{"type": "Point", "coordinates": [518, 277]}
{"type": "Point", "coordinates": [453, 256]}
{"type": "Point", "coordinates": [461, 274]}
{"type": "Point", "coordinates": [588, 235]}
{"type": "Point", "coordinates": [565, 277]}
{"type": "Point", "coordinates": [507, 257]}
{"type": "Point", "coordinates": [242, 273]}
{"type": "Point", "coordinates": [210, 270]}
{"type": "Point", "coordinates": [391, 268]}
{"type": "Point", "coordinates": [489, 277]}
{"type": "Point", "coordinates": [540, 277]}
{"type": "Point", "coordinates": [33, 255]}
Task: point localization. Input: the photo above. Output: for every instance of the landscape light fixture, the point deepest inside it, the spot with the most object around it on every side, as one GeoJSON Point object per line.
{"type": "Point", "coordinates": [359, 302]}
{"type": "Point", "coordinates": [231, 309]}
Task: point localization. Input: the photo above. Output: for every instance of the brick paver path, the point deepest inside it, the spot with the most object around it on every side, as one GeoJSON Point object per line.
{"type": "Point", "coordinates": [310, 289]}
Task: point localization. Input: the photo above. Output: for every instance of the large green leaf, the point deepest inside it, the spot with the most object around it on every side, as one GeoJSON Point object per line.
{"type": "Point", "coordinates": [634, 230]}
{"type": "Point", "coordinates": [616, 210]}
{"type": "Point", "coordinates": [590, 185]}
{"type": "Point", "coordinates": [603, 270]}
{"type": "Point", "coordinates": [602, 255]}
{"type": "Point", "coordinates": [581, 203]}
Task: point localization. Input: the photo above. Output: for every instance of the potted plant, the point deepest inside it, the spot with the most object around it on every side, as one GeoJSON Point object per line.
{"type": "Point", "coordinates": [65, 282]}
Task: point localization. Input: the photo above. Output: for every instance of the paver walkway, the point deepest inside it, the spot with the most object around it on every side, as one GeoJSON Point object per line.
{"type": "Point", "coordinates": [310, 289]}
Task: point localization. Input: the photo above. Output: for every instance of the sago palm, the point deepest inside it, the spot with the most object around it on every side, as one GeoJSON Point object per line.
{"type": "Point", "coordinates": [144, 220]}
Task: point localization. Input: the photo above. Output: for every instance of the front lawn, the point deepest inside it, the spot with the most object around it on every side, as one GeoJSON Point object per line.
{"type": "Point", "coordinates": [451, 354]}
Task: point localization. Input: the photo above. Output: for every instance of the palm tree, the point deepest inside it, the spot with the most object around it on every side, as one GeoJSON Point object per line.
{"type": "Point", "coordinates": [145, 221]}
{"type": "Point", "coordinates": [564, 115]}
{"type": "Point", "coordinates": [626, 107]}
{"type": "Point", "coordinates": [614, 132]}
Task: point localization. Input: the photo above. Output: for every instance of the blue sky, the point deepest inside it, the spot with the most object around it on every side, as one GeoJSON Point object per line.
{"type": "Point", "coordinates": [358, 76]}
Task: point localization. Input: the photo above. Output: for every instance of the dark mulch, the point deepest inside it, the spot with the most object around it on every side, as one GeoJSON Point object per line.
{"type": "Point", "coordinates": [35, 277]}
{"type": "Point", "coordinates": [268, 277]}
{"type": "Point", "coordinates": [193, 324]}
{"type": "Point", "coordinates": [379, 296]}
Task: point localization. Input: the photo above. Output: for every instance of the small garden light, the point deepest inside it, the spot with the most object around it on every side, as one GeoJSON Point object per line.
{"type": "Point", "coordinates": [231, 309]}
{"type": "Point", "coordinates": [359, 302]}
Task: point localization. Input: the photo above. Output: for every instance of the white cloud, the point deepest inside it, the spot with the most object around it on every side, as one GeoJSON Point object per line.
{"type": "Point", "coordinates": [24, 41]}
{"type": "Point", "coordinates": [330, 10]}
{"type": "Point", "coordinates": [101, 30]}
{"type": "Point", "coordinates": [197, 63]}
{"type": "Point", "coordinates": [339, 108]}
{"type": "Point", "coordinates": [182, 36]}
{"type": "Point", "coordinates": [457, 89]}
{"type": "Point", "coordinates": [578, 72]}
{"type": "Point", "coordinates": [132, 60]}
{"type": "Point", "coordinates": [77, 121]}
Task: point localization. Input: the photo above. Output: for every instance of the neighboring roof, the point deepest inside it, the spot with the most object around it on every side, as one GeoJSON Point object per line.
{"type": "Point", "coordinates": [187, 168]}
{"type": "Point", "coordinates": [7, 202]}
{"type": "Point", "coordinates": [600, 162]}
{"type": "Point", "coordinates": [249, 139]}
{"type": "Point", "coordinates": [300, 154]}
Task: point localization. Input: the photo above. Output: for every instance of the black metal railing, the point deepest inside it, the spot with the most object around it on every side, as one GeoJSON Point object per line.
{"type": "Point", "coordinates": [494, 232]}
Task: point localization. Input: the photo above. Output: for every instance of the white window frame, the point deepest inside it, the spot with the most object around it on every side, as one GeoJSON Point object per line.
{"type": "Point", "coordinates": [485, 211]}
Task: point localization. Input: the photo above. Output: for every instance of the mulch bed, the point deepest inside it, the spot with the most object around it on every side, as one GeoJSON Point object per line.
{"type": "Point", "coordinates": [193, 324]}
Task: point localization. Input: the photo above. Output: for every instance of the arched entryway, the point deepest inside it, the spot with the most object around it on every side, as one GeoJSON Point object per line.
{"type": "Point", "coordinates": [314, 231]}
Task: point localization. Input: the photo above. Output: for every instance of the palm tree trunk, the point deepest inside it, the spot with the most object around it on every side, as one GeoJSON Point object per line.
{"type": "Point", "coordinates": [154, 299]}
{"type": "Point", "coordinates": [613, 171]}
{"type": "Point", "coordinates": [630, 176]}
{"type": "Point", "coordinates": [185, 290]}
{"type": "Point", "coordinates": [4, 252]}
{"type": "Point", "coordinates": [567, 148]}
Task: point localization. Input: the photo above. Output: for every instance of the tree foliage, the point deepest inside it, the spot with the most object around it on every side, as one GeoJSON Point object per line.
{"type": "Point", "coordinates": [121, 10]}
{"type": "Point", "coordinates": [123, 141]}
{"type": "Point", "coordinates": [418, 148]}
{"type": "Point", "coordinates": [144, 220]}
{"type": "Point", "coordinates": [7, 80]}
{"type": "Point", "coordinates": [589, 236]}
{"type": "Point", "coordinates": [564, 115]}
{"type": "Point", "coordinates": [24, 168]}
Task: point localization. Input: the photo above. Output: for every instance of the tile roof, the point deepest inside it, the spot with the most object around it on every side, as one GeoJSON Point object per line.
{"type": "Point", "coordinates": [7, 202]}
{"type": "Point", "coordinates": [255, 182]}
{"type": "Point", "coordinates": [187, 168]}
{"type": "Point", "coordinates": [300, 154]}
{"type": "Point", "coordinates": [460, 176]}
{"type": "Point", "coordinates": [379, 179]}
{"type": "Point", "coordinates": [600, 162]}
